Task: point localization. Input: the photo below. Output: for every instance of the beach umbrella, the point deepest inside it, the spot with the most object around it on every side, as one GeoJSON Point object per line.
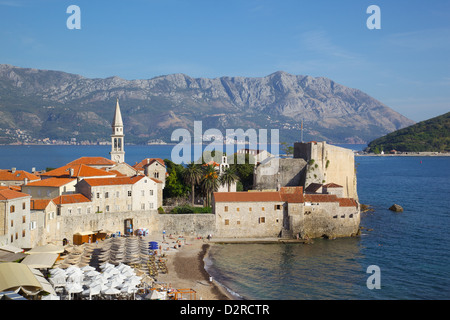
{"type": "Point", "coordinates": [92, 273]}
{"type": "Point", "coordinates": [91, 291]}
{"type": "Point", "coordinates": [51, 297]}
{"type": "Point", "coordinates": [73, 288]}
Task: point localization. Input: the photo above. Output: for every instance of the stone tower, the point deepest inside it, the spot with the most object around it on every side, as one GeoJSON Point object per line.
{"type": "Point", "coordinates": [117, 144]}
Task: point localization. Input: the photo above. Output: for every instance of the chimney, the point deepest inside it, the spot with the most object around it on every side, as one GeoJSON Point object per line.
{"type": "Point", "coordinates": [33, 170]}
{"type": "Point", "coordinates": [13, 170]}
{"type": "Point", "coordinates": [25, 181]}
{"type": "Point", "coordinates": [148, 160]}
{"type": "Point", "coordinates": [71, 172]}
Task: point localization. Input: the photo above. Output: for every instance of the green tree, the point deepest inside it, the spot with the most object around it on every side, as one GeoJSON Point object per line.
{"type": "Point", "coordinates": [192, 175]}
{"type": "Point", "coordinates": [210, 182]}
{"type": "Point", "coordinates": [287, 149]}
{"type": "Point", "coordinates": [228, 177]}
{"type": "Point", "coordinates": [244, 171]}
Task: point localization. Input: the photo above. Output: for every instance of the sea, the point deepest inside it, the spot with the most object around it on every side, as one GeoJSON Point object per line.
{"type": "Point", "coordinates": [399, 255]}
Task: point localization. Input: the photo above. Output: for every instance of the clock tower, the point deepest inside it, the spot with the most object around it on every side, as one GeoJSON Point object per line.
{"type": "Point", "coordinates": [117, 146]}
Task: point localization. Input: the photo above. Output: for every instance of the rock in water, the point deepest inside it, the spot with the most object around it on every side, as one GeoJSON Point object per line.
{"type": "Point", "coordinates": [396, 208]}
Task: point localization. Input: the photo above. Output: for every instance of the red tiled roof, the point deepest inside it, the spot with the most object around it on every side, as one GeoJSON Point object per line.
{"type": "Point", "coordinates": [8, 194]}
{"type": "Point", "coordinates": [39, 204]}
{"type": "Point", "coordinates": [51, 182]}
{"type": "Point", "coordinates": [313, 187]}
{"type": "Point", "coordinates": [156, 180]}
{"type": "Point", "coordinates": [347, 202]}
{"type": "Point", "coordinates": [79, 170]}
{"type": "Point", "coordinates": [113, 181]}
{"type": "Point", "coordinates": [148, 161]}
{"type": "Point", "coordinates": [93, 161]}
{"type": "Point", "coordinates": [70, 198]}
{"type": "Point", "coordinates": [332, 185]}
{"type": "Point", "coordinates": [292, 194]}
{"type": "Point", "coordinates": [254, 196]}
{"type": "Point", "coordinates": [18, 175]}
{"type": "Point", "coordinates": [321, 198]}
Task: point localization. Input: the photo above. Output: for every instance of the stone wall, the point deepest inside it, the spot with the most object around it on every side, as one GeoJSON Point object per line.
{"type": "Point", "coordinates": [291, 172]}
{"type": "Point", "coordinates": [328, 163]}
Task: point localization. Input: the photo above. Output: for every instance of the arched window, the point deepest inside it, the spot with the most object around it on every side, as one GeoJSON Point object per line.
{"type": "Point", "coordinates": [12, 209]}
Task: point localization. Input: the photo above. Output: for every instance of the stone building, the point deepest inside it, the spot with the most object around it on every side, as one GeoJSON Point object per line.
{"type": "Point", "coordinates": [153, 168]}
{"type": "Point", "coordinates": [15, 218]}
{"type": "Point", "coordinates": [287, 212]}
{"type": "Point", "coordinates": [50, 188]}
{"type": "Point", "coordinates": [42, 221]}
{"type": "Point", "coordinates": [77, 171]}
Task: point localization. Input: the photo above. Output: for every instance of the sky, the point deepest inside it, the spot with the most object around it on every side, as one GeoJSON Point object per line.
{"type": "Point", "coordinates": [405, 64]}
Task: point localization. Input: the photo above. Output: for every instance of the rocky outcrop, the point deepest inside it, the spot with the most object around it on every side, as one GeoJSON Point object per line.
{"type": "Point", "coordinates": [396, 208]}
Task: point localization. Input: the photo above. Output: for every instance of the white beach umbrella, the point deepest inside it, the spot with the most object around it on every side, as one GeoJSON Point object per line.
{"type": "Point", "coordinates": [73, 288]}
{"type": "Point", "coordinates": [110, 291]}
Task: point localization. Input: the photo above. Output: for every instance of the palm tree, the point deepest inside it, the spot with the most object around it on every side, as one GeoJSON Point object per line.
{"type": "Point", "coordinates": [228, 177]}
{"type": "Point", "coordinates": [210, 182]}
{"type": "Point", "coordinates": [192, 175]}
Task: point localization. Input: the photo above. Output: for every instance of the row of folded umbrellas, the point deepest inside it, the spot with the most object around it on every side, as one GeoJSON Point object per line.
{"type": "Point", "coordinates": [112, 280]}
{"type": "Point", "coordinates": [125, 250]}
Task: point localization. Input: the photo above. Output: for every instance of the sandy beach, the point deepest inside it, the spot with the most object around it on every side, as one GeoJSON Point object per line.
{"type": "Point", "coordinates": [186, 270]}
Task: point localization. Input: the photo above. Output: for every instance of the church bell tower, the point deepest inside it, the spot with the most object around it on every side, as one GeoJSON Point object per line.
{"type": "Point", "coordinates": [117, 146]}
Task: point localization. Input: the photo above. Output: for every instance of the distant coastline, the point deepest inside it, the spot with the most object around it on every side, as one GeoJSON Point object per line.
{"type": "Point", "coordinates": [405, 154]}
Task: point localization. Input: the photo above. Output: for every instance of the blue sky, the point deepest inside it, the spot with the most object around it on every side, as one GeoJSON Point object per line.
{"type": "Point", "coordinates": [405, 64]}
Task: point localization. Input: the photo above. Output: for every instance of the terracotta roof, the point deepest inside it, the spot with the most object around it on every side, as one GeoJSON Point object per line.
{"type": "Point", "coordinates": [332, 185]}
{"type": "Point", "coordinates": [211, 163]}
{"type": "Point", "coordinates": [51, 182]}
{"type": "Point", "coordinates": [93, 161]}
{"type": "Point", "coordinates": [148, 161]}
{"type": "Point", "coordinates": [321, 198]}
{"type": "Point", "coordinates": [313, 187]}
{"type": "Point", "coordinates": [347, 202]}
{"type": "Point", "coordinates": [113, 181]}
{"type": "Point", "coordinates": [39, 204]}
{"type": "Point", "coordinates": [292, 194]}
{"type": "Point", "coordinates": [18, 175]}
{"type": "Point", "coordinates": [156, 180]}
{"type": "Point", "coordinates": [79, 170]}
{"type": "Point", "coordinates": [254, 196]}
{"type": "Point", "coordinates": [70, 198]}
{"type": "Point", "coordinates": [8, 194]}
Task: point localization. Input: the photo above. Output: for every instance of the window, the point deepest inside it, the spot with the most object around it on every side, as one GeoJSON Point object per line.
{"type": "Point", "coordinates": [156, 175]}
{"type": "Point", "coordinates": [117, 194]}
{"type": "Point", "coordinates": [24, 219]}
{"type": "Point", "coordinates": [142, 193]}
{"type": "Point", "coordinates": [277, 207]}
{"type": "Point", "coordinates": [98, 195]}
{"type": "Point", "coordinates": [151, 205]}
{"type": "Point", "coordinates": [17, 235]}
{"type": "Point", "coordinates": [151, 192]}
{"type": "Point", "coordinates": [129, 193]}
{"type": "Point", "coordinates": [79, 210]}
{"type": "Point", "coordinates": [263, 209]}
{"type": "Point", "coordinates": [23, 233]}
{"type": "Point", "coordinates": [129, 207]}
{"type": "Point", "coordinates": [33, 225]}
{"type": "Point", "coordinates": [106, 195]}
{"type": "Point", "coordinates": [12, 223]}
{"type": "Point", "coordinates": [142, 206]}
{"type": "Point", "coordinates": [225, 209]}
{"type": "Point", "coordinates": [107, 208]}
{"type": "Point", "coordinates": [117, 208]}
{"type": "Point", "coordinates": [24, 206]}
{"type": "Point", "coordinates": [69, 211]}
{"type": "Point", "coordinates": [262, 220]}
{"type": "Point", "coordinates": [88, 210]}
{"type": "Point", "coordinates": [227, 222]}
{"type": "Point", "coordinates": [12, 209]}
{"type": "Point", "coordinates": [98, 209]}
{"type": "Point", "coordinates": [238, 222]}
{"type": "Point", "coordinates": [250, 209]}
{"type": "Point", "coordinates": [237, 209]}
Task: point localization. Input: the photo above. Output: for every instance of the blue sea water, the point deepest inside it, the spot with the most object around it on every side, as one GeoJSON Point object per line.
{"type": "Point", "coordinates": [410, 248]}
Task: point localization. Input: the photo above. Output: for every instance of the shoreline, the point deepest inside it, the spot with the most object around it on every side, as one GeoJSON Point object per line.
{"type": "Point", "coordinates": [187, 271]}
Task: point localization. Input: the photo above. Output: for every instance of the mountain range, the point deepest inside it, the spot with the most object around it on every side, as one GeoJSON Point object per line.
{"type": "Point", "coordinates": [55, 105]}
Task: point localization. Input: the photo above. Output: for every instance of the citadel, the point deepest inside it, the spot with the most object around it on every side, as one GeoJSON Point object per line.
{"type": "Point", "coordinates": [313, 194]}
